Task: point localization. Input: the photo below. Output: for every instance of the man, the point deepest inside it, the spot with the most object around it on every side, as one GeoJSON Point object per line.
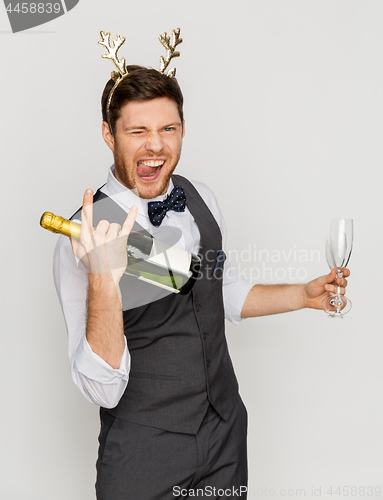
{"type": "Point", "coordinates": [172, 422]}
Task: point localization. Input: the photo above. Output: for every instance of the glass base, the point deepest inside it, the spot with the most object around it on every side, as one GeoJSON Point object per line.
{"type": "Point", "coordinates": [336, 305]}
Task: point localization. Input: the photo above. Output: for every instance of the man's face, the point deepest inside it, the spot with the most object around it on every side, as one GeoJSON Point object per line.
{"type": "Point", "coordinates": [146, 145]}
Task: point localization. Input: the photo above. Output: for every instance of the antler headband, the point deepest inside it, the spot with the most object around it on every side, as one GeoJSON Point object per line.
{"type": "Point", "coordinates": [117, 76]}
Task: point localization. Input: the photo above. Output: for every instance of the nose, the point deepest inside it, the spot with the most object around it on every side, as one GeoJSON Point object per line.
{"type": "Point", "coordinates": [154, 142]}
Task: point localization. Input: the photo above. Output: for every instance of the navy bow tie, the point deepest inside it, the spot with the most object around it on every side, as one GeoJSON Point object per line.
{"type": "Point", "coordinates": [176, 201]}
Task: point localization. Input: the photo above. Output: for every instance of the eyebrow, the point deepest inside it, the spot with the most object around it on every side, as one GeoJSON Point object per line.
{"type": "Point", "coordinates": [142, 127]}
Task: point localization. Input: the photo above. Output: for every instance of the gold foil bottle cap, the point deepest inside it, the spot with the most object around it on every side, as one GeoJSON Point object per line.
{"type": "Point", "coordinates": [57, 224]}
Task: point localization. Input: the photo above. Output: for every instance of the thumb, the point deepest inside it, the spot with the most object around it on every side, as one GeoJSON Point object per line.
{"type": "Point", "coordinates": [327, 278]}
{"type": "Point", "coordinates": [74, 245]}
{"type": "Point", "coordinates": [330, 277]}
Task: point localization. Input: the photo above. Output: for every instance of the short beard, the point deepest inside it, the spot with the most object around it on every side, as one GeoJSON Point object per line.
{"type": "Point", "coordinates": [146, 193]}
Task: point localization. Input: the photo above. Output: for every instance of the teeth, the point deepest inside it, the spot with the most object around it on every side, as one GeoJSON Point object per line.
{"type": "Point", "coordinates": [152, 163]}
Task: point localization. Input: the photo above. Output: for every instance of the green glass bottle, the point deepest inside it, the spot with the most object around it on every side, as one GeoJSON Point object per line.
{"type": "Point", "coordinates": [149, 259]}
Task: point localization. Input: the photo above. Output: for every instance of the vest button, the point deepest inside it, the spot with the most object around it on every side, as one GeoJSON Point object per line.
{"type": "Point", "coordinates": [198, 307]}
{"type": "Point", "coordinates": [204, 335]}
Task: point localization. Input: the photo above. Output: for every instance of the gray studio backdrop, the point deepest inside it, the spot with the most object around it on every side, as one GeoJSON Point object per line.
{"type": "Point", "coordinates": [283, 107]}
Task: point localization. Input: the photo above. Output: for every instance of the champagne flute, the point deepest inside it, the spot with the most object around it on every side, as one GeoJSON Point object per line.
{"type": "Point", "coordinates": [338, 252]}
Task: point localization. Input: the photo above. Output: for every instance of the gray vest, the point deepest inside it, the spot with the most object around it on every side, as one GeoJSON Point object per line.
{"type": "Point", "coordinates": [179, 356]}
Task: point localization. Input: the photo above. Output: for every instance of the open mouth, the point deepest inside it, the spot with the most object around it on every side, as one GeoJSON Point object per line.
{"type": "Point", "coordinates": [149, 170]}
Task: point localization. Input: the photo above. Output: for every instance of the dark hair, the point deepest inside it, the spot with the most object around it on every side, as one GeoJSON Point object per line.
{"type": "Point", "coordinates": [142, 84]}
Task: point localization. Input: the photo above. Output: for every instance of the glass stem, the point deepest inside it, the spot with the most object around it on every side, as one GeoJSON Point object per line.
{"type": "Point", "coordinates": [339, 301]}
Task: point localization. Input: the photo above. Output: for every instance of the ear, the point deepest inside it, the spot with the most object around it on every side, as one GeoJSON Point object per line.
{"type": "Point", "coordinates": [183, 129]}
{"type": "Point", "coordinates": [107, 135]}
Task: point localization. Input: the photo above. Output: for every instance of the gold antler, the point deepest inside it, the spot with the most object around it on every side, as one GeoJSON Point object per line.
{"type": "Point", "coordinates": [170, 51]}
{"type": "Point", "coordinates": [113, 48]}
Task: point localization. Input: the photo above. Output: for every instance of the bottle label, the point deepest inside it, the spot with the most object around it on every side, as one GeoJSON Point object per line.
{"type": "Point", "coordinates": [170, 257]}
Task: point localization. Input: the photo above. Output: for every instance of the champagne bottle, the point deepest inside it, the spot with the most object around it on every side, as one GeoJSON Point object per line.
{"type": "Point", "coordinates": [149, 259]}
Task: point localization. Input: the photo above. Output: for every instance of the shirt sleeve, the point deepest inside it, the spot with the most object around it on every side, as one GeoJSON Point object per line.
{"type": "Point", "coordinates": [235, 289]}
{"type": "Point", "coordinates": [97, 380]}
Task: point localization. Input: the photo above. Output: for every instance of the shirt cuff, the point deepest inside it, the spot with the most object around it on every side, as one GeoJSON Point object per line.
{"type": "Point", "coordinates": [92, 366]}
{"type": "Point", "coordinates": [234, 296]}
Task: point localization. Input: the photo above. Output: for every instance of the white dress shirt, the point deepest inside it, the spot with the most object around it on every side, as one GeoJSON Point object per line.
{"type": "Point", "coordinates": [97, 380]}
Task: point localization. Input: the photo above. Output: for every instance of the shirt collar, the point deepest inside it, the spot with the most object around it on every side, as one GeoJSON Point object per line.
{"type": "Point", "coordinates": [127, 198]}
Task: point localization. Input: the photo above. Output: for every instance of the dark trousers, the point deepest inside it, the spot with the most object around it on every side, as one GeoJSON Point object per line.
{"type": "Point", "coordinates": [136, 462]}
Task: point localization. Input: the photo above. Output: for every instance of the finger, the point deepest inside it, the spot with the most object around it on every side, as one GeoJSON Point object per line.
{"type": "Point", "coordinates": [103, 227]}
{"type": "Point", "coordinates": [129, 221]}
{"type": "Point", "coordinates": [341, 282]}
{"type": "Point", "coordinates": [113, 231]}
{"type": "Point", "coordinates": [346, 271]}
{"type": "Point", "coordinates": [87, 212]}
